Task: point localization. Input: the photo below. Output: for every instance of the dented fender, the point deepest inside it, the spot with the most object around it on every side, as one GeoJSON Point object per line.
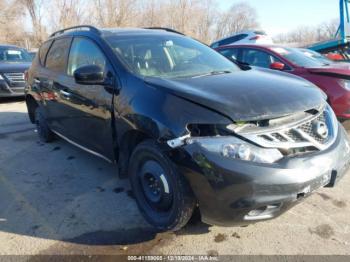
{"type": "Point", "coordinates": [158, 114]}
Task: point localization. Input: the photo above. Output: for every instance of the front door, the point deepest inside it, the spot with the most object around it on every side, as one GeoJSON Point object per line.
{"type": "Point", "coordinates": [89, 122]}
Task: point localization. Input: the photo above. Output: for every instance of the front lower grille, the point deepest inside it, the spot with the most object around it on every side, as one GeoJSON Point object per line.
{"type": "Point", "coordinates": [14, 78]}
{"type": "Point", "coordinates": [317, 131]}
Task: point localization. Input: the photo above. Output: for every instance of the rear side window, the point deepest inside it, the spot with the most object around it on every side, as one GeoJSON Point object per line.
{"type": "Point", "coordinates": [232, 39]}
{"type": "Point", "coordinates": [258, 58]}
{"type": "Point", "coordinates": [43, 51]}
{"type": "Point", "coordinates": [57, 57]}
{"type": "Point", "coordinates": [84, 52]}
{"type": "Point", "coordinates": [214, 45]}
{"type": "Point", "coordinates": [231, 53]}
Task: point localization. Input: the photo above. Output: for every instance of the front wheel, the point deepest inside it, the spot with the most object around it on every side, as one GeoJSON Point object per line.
{"type": "Point", "coordinates": [163, 195]}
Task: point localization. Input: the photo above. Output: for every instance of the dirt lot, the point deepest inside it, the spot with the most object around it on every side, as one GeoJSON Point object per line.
{"type": "Point", "coordinates": [56, 199]}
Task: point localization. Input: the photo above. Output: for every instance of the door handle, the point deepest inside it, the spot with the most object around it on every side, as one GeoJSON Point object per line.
{"type": "Point", "coordinates": [65, 93]}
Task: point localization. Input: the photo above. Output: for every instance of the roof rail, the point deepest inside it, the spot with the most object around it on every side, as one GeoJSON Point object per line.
{"type": "Point", "coordinates": [89, 27]}
{"type": "Point", "coordinates": [165, 29]}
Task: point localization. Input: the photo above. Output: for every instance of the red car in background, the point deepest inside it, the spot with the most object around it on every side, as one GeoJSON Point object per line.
{"type": "Point", "coordinates": [332, 78]}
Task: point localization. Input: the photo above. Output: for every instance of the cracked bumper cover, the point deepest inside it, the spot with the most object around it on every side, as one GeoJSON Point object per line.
{"type": "Point", "coordinates": [227, 190]}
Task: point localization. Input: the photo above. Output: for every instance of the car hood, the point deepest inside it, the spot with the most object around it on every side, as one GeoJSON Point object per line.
{"type": "Point", "coordinates": [336, 70]}
{"type": "Point", "coordinates": [246, 95]}
{"type": "Point", "coordinates": [14, 67]}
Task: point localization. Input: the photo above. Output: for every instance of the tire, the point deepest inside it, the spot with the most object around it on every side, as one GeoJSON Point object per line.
{"type": "Point", "coordinates": [44, 132]}
{"type": "Point", "coordinates": [167, 201]}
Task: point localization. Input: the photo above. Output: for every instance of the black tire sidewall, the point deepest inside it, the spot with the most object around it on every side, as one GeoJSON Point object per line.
{"type": "Point", "coordinates": [45, 134]}
{"type": "Point", "coordinates": [183, 200]}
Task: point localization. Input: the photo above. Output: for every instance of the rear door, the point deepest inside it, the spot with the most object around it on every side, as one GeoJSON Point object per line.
{"type": "Point", "coordinates": [51, 76]}
{"type": "Point", "coordinates": [39, 75]}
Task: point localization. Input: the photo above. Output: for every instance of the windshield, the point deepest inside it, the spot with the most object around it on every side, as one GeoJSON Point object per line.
{"type": "Point", "coordinates": [10, 54]}
{"type": "Point", "coordinates": [299, 58]}
{"type": "Point", "coordinates": [168, 56]}
{"type": "Point", "coordinates": [317, 56]}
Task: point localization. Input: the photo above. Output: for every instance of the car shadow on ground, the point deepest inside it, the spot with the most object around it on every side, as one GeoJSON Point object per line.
{"type": "Point", "coordinates": [6, 100]}
{"type": "Point", "coordinates": [56, 191]}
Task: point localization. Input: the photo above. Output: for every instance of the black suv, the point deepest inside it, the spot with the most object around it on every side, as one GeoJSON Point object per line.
{"type": "Point", "coordinates": [189, 128]}
{"type": "Point", "coordinates": [13, 63]}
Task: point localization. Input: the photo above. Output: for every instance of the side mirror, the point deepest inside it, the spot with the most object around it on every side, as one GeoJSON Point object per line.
{"type": "Point", "coordinates": [89, 75]}
{"type": "Point", "coordinates": [277, 66]}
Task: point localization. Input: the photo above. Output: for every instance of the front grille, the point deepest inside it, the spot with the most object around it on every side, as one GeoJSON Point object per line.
{"type": "Point", "coordinates": [309, 129]}
{"type": "Point", "coordinates": [15, 77]}
{"type": "Point", "coordinates": [317, 131]}
{"type": "Point", "coordinates": [294, 135]}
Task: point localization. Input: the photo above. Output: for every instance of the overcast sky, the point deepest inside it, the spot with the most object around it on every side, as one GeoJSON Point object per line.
{"type": "Point", "coordinates": [278, 16]}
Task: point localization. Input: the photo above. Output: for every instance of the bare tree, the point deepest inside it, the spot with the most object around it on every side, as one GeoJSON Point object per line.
{"type": "Point", "coordinates": [11, 22]}
{"type": "Point", "coordinates": [66, 13]}
{"type": "Point", "coordinates": [205, 21]}
{"type": "Point", "coordinates": [150, 13]}
{"type": "Point", "coordinates": [35, 11]}
{"type": "Point", "coordinates": [239, 17]}
{"type": "Point", "coordinates": [115, 13]}
{"type": "Point", "coordinates": [329, 28]}
{"type": "Point", "coordinates": [200, 19]}
{"type": "Point", "coordinates": [192, 17]}
{"type": "Point", "coordinates": [309, 34]}
{"type": "Point", "coordinates": [179, 13]}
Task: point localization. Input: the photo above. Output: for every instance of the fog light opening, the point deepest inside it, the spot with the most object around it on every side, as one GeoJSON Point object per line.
{"type": "Point", "coordinates": [257, 212]}
{"type": "Point", "coordinates": [264, 212]}
{"type": "Point", "coordinates": [300, 195]}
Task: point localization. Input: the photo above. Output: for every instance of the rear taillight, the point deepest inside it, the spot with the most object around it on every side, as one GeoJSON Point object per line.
{"type": "Point", "coordinates": [26, 75]}
{"type": "Point", "coordinates": [256, 37]}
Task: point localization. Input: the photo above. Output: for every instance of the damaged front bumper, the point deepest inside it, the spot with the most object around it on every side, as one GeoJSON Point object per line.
{"type": "Point", "coordinates": [235, 192]}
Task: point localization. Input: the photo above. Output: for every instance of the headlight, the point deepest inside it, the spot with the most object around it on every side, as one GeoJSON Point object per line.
{"type": "Point", "coordinates": [1, 78]}
{"type": "Point", "coordinates": [345, 84]}
{"type": "Point", "coordinates": [235, 148]}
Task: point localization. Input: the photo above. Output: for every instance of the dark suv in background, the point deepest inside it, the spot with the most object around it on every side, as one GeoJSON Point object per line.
{"type": "Point", "coordinates": [188, 127]}
{"type": "Point", "coordinates": [13, 63]}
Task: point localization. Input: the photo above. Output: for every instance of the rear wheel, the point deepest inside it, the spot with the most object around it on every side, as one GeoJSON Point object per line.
{"type": "Point", "coordinates": [44, 132]}
{"type": "Point", "coordinates": [162, 194]}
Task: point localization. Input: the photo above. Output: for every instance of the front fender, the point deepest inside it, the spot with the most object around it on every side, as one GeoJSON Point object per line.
{"type": "Point", "coordinates": [159, 114]}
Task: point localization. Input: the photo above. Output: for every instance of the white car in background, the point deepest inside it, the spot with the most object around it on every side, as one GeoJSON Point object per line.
{"type": "Point", "coordinates": [245, 37]}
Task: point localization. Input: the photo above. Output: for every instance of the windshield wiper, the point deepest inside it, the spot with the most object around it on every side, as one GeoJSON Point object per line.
{"type": "Point", "coordinates": [213, 73]}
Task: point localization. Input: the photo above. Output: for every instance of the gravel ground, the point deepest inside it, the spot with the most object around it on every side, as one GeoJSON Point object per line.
{"type": "Point", "coordinates": [57, 199]}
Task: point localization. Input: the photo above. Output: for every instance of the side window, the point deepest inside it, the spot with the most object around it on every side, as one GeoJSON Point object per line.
{"type": "Point", "coordinates": [215, 45]}
{"type": "Point", "coordinates": [231, 53]}
{"type": "Point", "coordinates": [57, 57]}
{"type": "Point", "coordinates": [84, 52]}
{"type": "Point", "coordinates": [256, 57]}
{"type": "Point", "coordinates": [240, 37]}
{"type": "Point", "coordinates": [43, 51]}
{"type": "Point", "coordinates": [232, 39]}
